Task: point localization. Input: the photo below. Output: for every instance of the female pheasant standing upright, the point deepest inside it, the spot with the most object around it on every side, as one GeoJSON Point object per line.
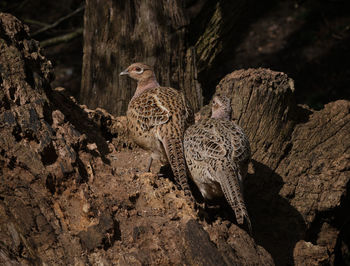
{"type": "Point", "coordinates": [217, 154]}
{"type": "Point", "coordinates": [157, 119]}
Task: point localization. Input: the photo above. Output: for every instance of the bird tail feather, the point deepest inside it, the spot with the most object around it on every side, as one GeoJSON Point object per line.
{"type": "Point", "coordinates": [175, 152]}
{"type": "Point", "coordinates": [231, 187]}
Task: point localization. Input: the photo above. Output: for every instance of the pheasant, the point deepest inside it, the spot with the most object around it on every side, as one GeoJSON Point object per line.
{"type": "Point", "coordinates": [157, 118]}
{"type": "Point", "coordinates": [217, 154]}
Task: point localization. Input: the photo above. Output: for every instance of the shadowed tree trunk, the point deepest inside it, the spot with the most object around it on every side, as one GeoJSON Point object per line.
{"type": "Point", "coordinates": [182, 39]}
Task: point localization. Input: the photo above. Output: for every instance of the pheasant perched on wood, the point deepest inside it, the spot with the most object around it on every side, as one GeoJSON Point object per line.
{"type": "Point", "coordinates": [157, 119]}
{"type": "Point", "coordinates": [217, 154]}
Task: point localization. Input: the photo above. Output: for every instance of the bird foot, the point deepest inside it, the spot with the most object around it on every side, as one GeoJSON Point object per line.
{"type": "Point", "coordinates": [148, 170]}
{"type": "Point", "coordinates": [160, 175]}
{"type": "Point", "coordinates": [202, 212]}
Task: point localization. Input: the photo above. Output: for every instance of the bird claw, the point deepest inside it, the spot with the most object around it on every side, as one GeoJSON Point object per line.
{"type": "Point", "coordinates": [160, 175]}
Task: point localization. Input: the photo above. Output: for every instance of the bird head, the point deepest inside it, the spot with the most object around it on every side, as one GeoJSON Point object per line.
{"type": "Point", "coordinates": [139, 72]}
{"type": "Point", "coordinates": [221, 107]}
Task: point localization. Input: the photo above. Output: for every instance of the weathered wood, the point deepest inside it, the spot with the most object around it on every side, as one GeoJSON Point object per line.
{"type": "Point", "coordinates": [263, 104]}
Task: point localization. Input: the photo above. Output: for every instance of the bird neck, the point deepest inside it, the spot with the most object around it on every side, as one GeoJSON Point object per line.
{"type": "Point", "coordinates": [146, 84]}
{"type": "Point", "coordinates": [221, 114]}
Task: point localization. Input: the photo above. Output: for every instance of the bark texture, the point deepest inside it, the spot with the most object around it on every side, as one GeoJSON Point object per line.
{"type": "Point", "coordinates": [68, 197]}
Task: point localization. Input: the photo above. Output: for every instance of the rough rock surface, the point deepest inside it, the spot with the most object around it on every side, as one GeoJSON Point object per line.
{"type": "Point", "coordinates": [68, 196]}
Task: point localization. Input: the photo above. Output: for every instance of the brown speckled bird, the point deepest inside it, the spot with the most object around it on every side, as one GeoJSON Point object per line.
{"type": "Point", "coordinates": [157, 119]}
{"type": "Point", "coordinates": [217, 154]}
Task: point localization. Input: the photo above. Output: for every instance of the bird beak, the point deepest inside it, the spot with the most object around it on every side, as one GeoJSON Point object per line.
{"type": "Point", "coordinates": [125, 72]}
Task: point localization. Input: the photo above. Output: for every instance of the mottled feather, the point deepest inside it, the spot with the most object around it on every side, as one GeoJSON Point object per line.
{"type": "Point", "coordinates": [157, 118]}
{"type": "Point", "coordinates": [217, 154]}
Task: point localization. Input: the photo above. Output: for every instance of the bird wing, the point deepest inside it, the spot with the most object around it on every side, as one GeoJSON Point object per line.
{"type": "Point", "coordinates": [203, 143]}
{"type": "Point", "coordinates": [239, 144]}
{"type": "Point", "coordinates": [150, 111]}
{"type": "Point", "coordinates": [166, 110]}
{"type": "Point", "coordinates": [206, 146]}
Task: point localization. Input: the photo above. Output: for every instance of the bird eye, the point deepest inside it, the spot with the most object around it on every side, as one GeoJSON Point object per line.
{"type": "Point", "coordinates": [138, 70]}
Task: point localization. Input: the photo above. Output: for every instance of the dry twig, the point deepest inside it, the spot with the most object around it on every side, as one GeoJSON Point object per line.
{"type": "Point", "coordinates": [63, 38]}
{"type": "Point", "coordinates": [48, 27]}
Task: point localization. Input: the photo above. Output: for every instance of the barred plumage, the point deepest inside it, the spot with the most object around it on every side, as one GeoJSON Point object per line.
{"type": "Point", "coordinates": [157, 118]}
{"type": "Point", "coordinates": [217, 154]}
